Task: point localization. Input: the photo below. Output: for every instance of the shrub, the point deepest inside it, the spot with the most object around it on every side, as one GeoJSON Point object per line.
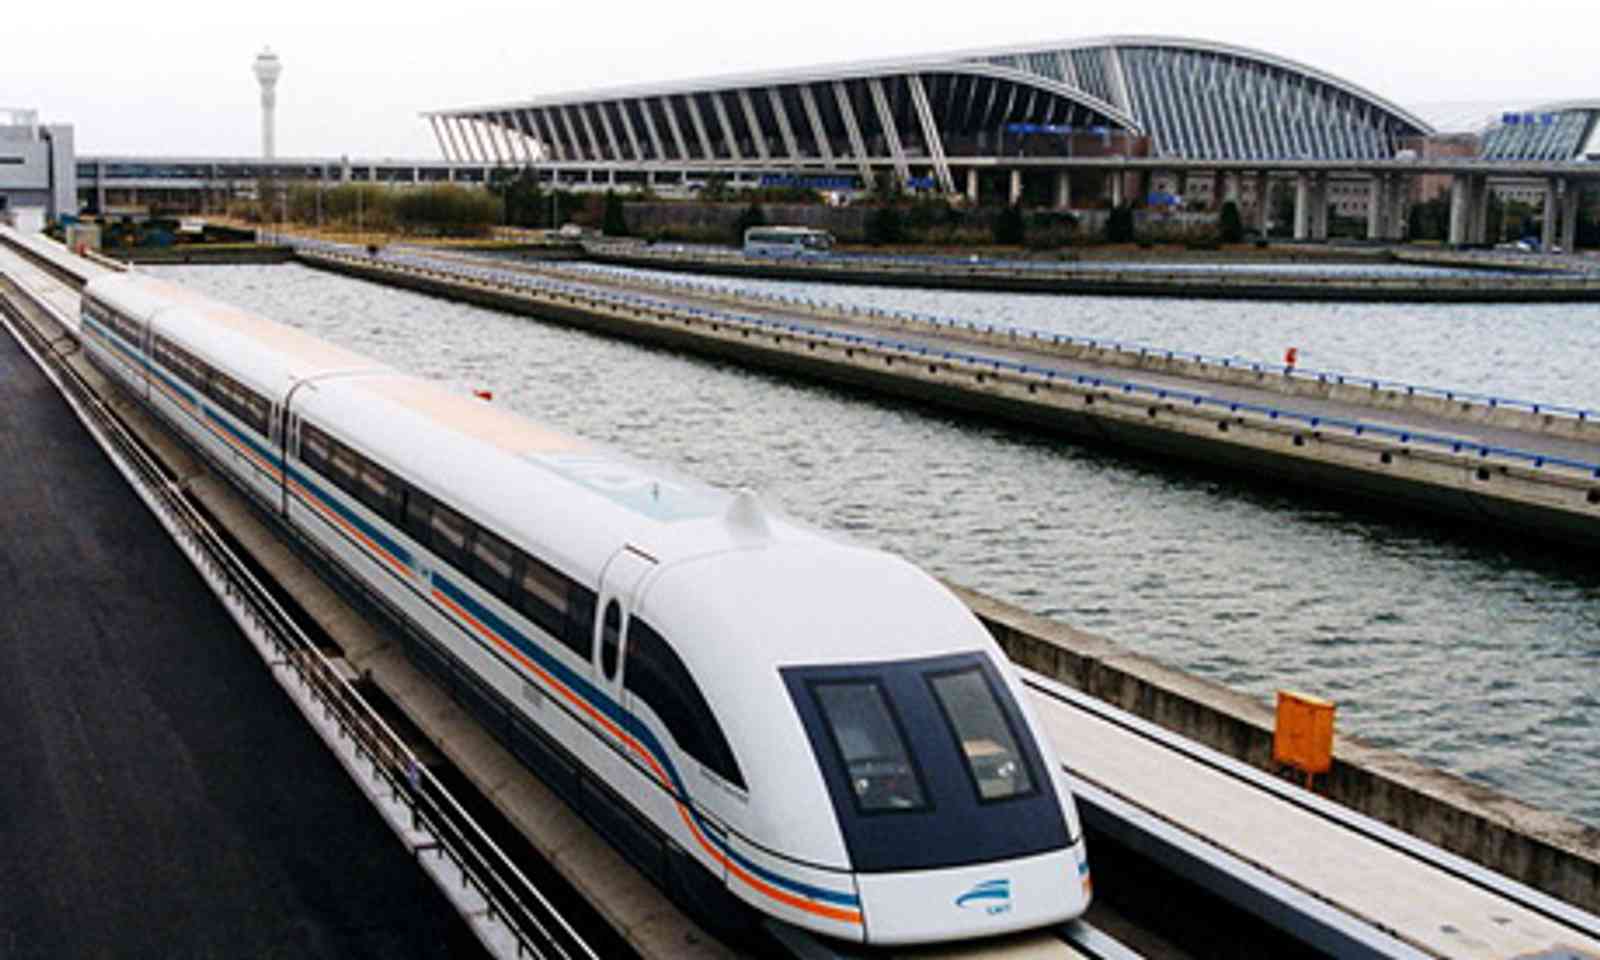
{"type": "Point", "coordinates": [1229, 224]}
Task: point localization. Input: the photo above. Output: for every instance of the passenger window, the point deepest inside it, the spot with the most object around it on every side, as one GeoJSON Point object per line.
{"type": "Point", "coordinates": [998, 769]}
{"type": "Point", "coordinates": [419, 515]}
{"type": "Point", "coordinates": [377, 488]}
{"type": "Point", "coordinates": [659, 678]}
{"type": "Point", "coordinates": [541, 595]}
{"type": "Point", "coordinates": [867, 736]}
{"type": "Point", "coordinates": [610, 639]}
{"type": "Point", "coordinates": [449, 535]}
{"type": "Point", "coordinates": [491, 563]}
{"type": "Point", "coordinates": [314, 448]}
{"type": "Point", "coordinates": [346, 468]}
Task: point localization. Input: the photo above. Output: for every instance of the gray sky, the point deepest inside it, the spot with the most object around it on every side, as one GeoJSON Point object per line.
{"type": "Point", "coordinates": [172, 77]}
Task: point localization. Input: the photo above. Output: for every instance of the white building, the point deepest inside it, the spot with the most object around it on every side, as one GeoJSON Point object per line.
{"type": "Point", "coordinates": [38, 168]}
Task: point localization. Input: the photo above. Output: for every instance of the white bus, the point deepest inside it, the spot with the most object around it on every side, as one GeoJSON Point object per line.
{"type": "Point", "coordinates": [786, 242]}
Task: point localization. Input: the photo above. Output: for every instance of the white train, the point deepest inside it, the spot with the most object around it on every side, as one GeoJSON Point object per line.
{"type": "Point", "coordinates": [760, 715]}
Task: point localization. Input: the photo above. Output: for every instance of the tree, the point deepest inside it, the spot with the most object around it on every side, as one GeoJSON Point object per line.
{"type": "Point", "coordinates": [885, 224]}
{"type": "Point", "coordinates": [612, 222]}
{"type": "Point", "coordinates": [1119, 225]}
{"type": "Point", "coordinates": [1229, 224]}
{"type": "Point", "coordinates": [751, 216]}
{"type": "Point", "coordinates": [1009, 227]}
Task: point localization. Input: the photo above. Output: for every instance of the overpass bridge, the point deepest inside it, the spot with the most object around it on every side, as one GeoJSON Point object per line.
{"type": "Point", "coordinates": [1307, 875]}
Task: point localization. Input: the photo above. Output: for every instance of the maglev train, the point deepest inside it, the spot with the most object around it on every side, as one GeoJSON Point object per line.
{"type": "Point", "coordinates": [763, 717]}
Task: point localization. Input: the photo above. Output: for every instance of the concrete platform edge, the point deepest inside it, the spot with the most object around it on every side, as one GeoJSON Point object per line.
{"type": "Point", "coordinates": [1548, 852]}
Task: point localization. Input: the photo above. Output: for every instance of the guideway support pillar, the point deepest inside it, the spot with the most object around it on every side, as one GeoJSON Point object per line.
{"type": "Point", "coordinates": [972, 185]}
{"type": "Point", "coordinates": [1263, 203]}
{"type": "Point", "coordinates": [1311, 206]}
{"type": "Point", "coordinates": [1460, 210]}
{"type": "Point", "coordinates": [1569, 217]}
{"type": "Point", "coordinates": [1547, 236]}
{"type": "Point", "coordinates": [1469, 209]}
{"type": "Point", "coordinates": [1016, 187]}
{"type": "Point", "coordinates": [1377, 207]}
{"type": "Point", "coordinates": [1114, 188]}
{"type": "Point", "coordinates": [1063, 190]}
{"type": "Point", "coordinates": [1302, 206]}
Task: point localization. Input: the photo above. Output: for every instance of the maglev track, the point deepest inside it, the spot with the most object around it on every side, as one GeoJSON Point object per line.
{"type": "Point", "coordinates": [534, 926]}
{"type": "Point", "coordinates": [1363, 885]}
{"type": "Point", "coordinates": [517, 919]}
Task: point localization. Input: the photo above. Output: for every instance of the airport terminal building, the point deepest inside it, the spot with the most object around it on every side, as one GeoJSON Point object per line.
{"type": "Point", "coordinates": [945, 121]}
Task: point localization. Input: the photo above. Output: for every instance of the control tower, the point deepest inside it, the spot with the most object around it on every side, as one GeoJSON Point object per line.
{"type": "Point", "coordinates": [267, 69]}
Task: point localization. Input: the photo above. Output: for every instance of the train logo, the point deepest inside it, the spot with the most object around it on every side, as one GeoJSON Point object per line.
{"type": "Point", "coordinates": [994, 896]}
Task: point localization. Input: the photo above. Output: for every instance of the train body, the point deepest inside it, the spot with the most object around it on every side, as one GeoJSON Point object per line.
{"type": "Point", "coordinates": [758, 713]}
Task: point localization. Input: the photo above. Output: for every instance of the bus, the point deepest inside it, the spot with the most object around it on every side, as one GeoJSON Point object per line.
{"type": "Point", "coordinates": [786, 242]}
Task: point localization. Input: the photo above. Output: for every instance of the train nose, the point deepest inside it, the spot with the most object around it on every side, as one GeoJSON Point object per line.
{"type": "Point", "coordinates": [961, 903]}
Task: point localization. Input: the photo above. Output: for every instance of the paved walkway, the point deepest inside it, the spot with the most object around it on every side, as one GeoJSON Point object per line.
{"type": "Point", "coordinates": [160, 796]}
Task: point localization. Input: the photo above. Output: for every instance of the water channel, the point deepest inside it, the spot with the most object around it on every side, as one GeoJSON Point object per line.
{"type": "Point", "coordinates": [1477, 657]}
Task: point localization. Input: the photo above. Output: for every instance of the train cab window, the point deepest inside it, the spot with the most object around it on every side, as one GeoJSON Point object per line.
{"type": "Point", "coordinates": [610, 639]}
{"type": "Point", "coordinates": [449, 535]}
{"type": "Point", "coordinates": [491, 563]}
{"type": "Point", "coordinates": [984, 736]}
{"type": "Point", "coordinates": [656, 676]}
{"type": "Point", "coordinates": [871, 746]}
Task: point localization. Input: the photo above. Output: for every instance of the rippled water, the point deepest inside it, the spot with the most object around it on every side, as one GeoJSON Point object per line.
{"type": "Point", "coordinates": [1479, 660]}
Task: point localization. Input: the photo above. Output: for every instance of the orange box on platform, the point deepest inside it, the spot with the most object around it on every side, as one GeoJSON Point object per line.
{"type": "Point", "coordinates": [1303, 737]}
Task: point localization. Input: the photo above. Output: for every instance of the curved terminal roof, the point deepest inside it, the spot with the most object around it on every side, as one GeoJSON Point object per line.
{"type": "Point", "coordinates": [1161, 96]}
{"type": "Point", "coordinates": [1555, 132]}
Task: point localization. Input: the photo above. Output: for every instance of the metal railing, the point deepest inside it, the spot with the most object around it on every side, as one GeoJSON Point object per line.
{"type": "Point", "coordinates": [1129, 349]}
{"type": "Point", "coordinates": [537, 929]}
{"type": "Point", "coordinates": [602, 297]}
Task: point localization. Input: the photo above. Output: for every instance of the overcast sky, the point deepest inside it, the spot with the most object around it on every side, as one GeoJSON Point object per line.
{"type": "Point", "coordinates": [173, 77]}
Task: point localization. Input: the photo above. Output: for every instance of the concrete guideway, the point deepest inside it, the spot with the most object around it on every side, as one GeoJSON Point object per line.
{"type": "Point", "coordinates": [148, 806]}
{"type": "Point", "coordinates": [1499, 423]}
{"type": "Point", "coordinates": [381, 656]}
{"type": "Point", "coordinates": [641, 915]}
{"type": "Point", "coordinates": [1360, 895]}
{"type": "Point", "coordinates": [1529, 489]}
{"type": "Point", "coordinates": [638, 911]}
{"type": "Point", "coordinates": [1565, 285]}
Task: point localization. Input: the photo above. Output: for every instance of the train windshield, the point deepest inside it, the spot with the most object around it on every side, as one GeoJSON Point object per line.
{"type": "Point", "coordinates": [987, 742]}
{"type": "Point", "coordinates": [871, 747]}
{"type": "Point", "coordinates": [928, 762]}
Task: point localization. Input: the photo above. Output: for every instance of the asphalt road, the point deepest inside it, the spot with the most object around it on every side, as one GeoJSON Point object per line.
{"type": "Point", "coordinates": [159, 795]}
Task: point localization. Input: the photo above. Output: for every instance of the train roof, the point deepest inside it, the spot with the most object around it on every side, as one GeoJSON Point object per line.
{"type": "Point", "coordinates": [173, 307]}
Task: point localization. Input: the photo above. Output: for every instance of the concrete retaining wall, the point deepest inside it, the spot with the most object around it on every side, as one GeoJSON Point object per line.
{"type": "Point", "coordinates": [1546, 851]}
{"type": "Point", "coordinates": [1140, 283]}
